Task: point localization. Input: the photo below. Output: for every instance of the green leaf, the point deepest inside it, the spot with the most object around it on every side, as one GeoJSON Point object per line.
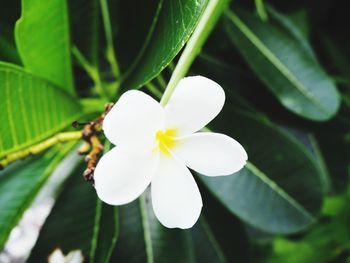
{"type": "Point", "coordinates": [143, 239]}
{"type": "Point", "coordinates": [8, 50]}
{"type": "Point", "coordinates": [131, 36]}
{"type": "Point", "coordinates": [8, 17]}
{"type": "Point", "coordinates": [176, 22]}
{"type": "Point", "coordinates": [297, 31]}
{"type": "Point", "coordinates": [205, 25]}
{"type": "Point", "coordinates": [20, 183]}
{"type": "Point", "coordinates": [32, 109]}
{"type": "Point", "coordinates": [78, 221]}
{"type": "Point", "coordinates": [328, 241]}
{"type": "Point", "coordinates": [310, 142]}
{"type": "Point", "coordinates": [335, 152]}
{"type": "Point", "coordinates": [279, 190]}
{"type": "Point", "coordinates": [212, 241]}
{"type": "Point", "coordinates": [43, 41]}
{"type": "Point", "coordinates": [84, 21]}
{"type": "Point", "coordinates": [288, 70]}
{"type": "Point", "coordinates": [108, 234]}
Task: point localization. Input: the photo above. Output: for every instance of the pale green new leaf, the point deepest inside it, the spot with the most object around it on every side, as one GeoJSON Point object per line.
{"type": "Point", "coordinates": [32, 109]}
{"type": "Point", "coordinates": [43, 41]}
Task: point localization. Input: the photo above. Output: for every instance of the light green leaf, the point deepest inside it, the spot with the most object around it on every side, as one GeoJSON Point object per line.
{"type": "Point", "coordinates": [32, 109]}
{"type": "Point", "coordinates": [280, 189]}
{"type": "Point", "coordinates": [288, 70]}
{"type": "Point", "coordinates": [20, 183]}
{"type": "Point", "coordinates": [176, 22]}
{"type": "Point", "coordinates": [78, 221]}
{"type": "Point", "coordinates": [143, 239]}
{"type": "Point", "coordinates": [43, 41]}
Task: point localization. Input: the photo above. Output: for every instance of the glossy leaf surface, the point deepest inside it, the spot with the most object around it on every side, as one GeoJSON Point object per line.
{"type": "Point", "coordinates": [32, 110]}
{"type": "Point", "coordinates": [286, 67]}
{"type": "Point", "coordinates": [43, 41]}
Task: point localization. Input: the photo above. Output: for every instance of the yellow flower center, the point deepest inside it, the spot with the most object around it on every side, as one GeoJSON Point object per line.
{"type": "Point", "coordinates": [166, 140]}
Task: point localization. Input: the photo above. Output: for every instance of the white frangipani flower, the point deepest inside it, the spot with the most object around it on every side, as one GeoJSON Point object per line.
{"type": "Point", "coordinates": [154, 144]}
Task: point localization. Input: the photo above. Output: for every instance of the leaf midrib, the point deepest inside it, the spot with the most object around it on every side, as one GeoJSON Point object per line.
{"type": "Point", "coordinates": [249, 34]}
{"type": "Point", "coordinates": [7, 69]}
{"type": "Point", "coordinates": [284, 195]}
{"type": "Point", "coordinates": [146, 229]}
{"type": "Point", "coordinates": [212, 239]}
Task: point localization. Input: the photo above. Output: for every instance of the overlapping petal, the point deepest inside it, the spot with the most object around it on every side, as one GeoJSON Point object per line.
{"type": "Point", "coordinates": [211, 154]}
{"type": "Point", "coordinates": [121, 176]}
{"type": "Point", "coordinates": [194, 103]}
{"type": "Point", "coordinates": [134, 121]}
{"type": "Point", "coordinates": [175, 195]}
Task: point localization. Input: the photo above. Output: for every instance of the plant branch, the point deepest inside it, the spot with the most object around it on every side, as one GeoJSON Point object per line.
{"type": "Point", "coordinates": [93, 142]}
{"type": "Point", "coordinates": [205, 25]}
{"type": "Point", "coordinates": [92, 147]}
{"type": "Point", "coordinates": [40, 147]}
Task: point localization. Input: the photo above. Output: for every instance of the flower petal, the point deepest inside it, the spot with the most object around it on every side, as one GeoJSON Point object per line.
{"type": "Point", "coordinates": [176, 198]}
{"type": "Point", "coordinates": [134, 121]}
{"type": "Point", "coordinates": [211, 154]}
{"type": "Point", "coordinates": [194, 103]}
{"type": "Point", "coordinates": [120, 176]}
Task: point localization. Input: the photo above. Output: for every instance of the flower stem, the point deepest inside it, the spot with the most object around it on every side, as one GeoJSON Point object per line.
{"type": "Point", "coordinates": [40, 147]}
{"type": "Point", "coordinates": [110, 54]}
{"type": "Point", "coordinates": [205, 25]}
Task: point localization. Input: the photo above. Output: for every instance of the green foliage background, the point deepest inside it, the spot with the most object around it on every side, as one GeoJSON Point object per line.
{"type": "Point", "coordinates": [285, 68]}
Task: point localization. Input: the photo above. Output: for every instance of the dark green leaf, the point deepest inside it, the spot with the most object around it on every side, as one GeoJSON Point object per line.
{"type": "Point", "coordinates": [176, 22]}
{"type": "Point", "coordinates": [8, 50]}
{"type": "Point", "coordinates": [43, 41]}
{"type": "Point", "coordinates": [78, 221]}
{"type": "Point", "coordinates": [280, 190]}
{"type": "Point", "coordinates": [143, 239]}
{"type": "Point", "coordinates": [32, 109]}
{"type": "Point", "coordinates": [84, 24]}
{"type": "Point", "coordinates": [9, 13]}
{"type": "Point", "coordinates": [20, 183]}
{"type": "Point", "coordinates": [289, 71]}
{"type": "Point", "coordinates": [218, 236]}
{"type": "Point", "coordinates": [131, 36]}
{"type": "Point", "coordinates": [326, 242]}
{"type": "Point", "coordinates": [335, 150]}
{"type": "Point", "coordinates": [298, 31]}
